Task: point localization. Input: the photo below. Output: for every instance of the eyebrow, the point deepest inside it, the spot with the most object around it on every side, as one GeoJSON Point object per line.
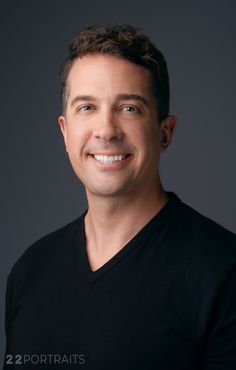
{"type": "Point", "coordinates": [140, 98]}
{"type": "Point", "coordinates": [82, 98]}
{"type": "Point", "coordinates": [133, 97]}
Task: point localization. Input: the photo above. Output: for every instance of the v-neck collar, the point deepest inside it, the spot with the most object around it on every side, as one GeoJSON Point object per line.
{"type": "Point", "coordinates": [154, 224]}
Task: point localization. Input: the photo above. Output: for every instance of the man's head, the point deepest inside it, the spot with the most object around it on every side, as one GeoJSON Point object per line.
{"type": "Point", "coordinates": [126, 42]}
{"type": "Point", "coordinates": [115, 120]}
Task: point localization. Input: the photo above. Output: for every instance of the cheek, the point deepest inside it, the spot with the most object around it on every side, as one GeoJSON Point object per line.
{"type": "Point", "coordinates": [76, 139]}
{"type": "Point", "coordinates": [154, 138]}
{"type": "Point", "coordinates": [145, 138]}
{"type": "Point", "coordinates": [151, 148]}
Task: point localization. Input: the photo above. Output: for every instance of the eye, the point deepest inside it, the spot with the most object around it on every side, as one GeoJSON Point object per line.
{"type": "Point", "coordinates": [84, 108]}
{"type": "Point", "coordinates": [130, 109]}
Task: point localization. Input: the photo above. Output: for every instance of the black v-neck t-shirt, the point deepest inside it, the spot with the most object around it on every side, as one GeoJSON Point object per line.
{"type": "Point", "coordinates": [165, 301]}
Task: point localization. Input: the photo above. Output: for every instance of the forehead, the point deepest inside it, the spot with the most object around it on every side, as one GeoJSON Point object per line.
{"type": "Point", "coordinates": [104, 74]}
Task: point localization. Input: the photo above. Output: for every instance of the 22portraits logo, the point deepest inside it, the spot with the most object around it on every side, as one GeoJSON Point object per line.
{"type": "Point", "coordinates": [44, 359]}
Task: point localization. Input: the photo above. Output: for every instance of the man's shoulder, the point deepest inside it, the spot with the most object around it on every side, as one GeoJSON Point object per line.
{"type": "Point", "coordinates": [204, 236]}
{"type": "Point", "coordinates": [46, 249]}
{"type": "Point", "coordinates": [203, 225]}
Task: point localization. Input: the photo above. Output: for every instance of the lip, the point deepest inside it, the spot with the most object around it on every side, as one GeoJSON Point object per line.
{"type": "Point", "coordinates": [111, 166]}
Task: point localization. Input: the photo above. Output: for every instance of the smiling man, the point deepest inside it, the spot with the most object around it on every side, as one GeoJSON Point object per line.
{"type": "Point", "coordinates": [114, 139]}
{"type": "Point", "coordinates": [140, 280]}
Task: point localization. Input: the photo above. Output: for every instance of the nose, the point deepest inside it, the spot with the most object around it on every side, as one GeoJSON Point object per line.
{"type": "Point", "coordinates": [107, 127]}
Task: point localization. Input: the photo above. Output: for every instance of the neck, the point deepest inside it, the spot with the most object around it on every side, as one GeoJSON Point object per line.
{"type": "Point", "coordinates": [111, 222]}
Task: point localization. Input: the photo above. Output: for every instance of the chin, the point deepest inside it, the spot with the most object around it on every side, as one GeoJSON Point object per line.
{"type": "Point", "coordinates": [106, 191]}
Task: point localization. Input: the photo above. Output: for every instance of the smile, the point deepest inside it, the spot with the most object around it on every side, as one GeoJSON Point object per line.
{"type": "Point", "coordinates": [108, 159]}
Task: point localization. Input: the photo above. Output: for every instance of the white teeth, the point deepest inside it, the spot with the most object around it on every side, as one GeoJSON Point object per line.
{"type": "Point", "coordinates": [107, 159]}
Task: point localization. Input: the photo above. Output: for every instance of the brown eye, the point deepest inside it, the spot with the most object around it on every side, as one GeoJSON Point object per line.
{"type": "Point", "coordinates": [85, 108]}
{"type": "Point", "coordinates": [130, 109]}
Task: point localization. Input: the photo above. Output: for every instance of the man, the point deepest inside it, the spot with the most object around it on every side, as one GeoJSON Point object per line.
{"type": "Point", "coordinates": [140, 280]}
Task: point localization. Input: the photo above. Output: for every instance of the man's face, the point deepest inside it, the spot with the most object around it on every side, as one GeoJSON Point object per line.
{"type": "Point", "coordinates": [110, 127]}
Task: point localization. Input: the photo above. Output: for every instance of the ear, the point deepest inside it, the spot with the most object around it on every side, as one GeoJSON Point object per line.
{"type": "Point", "coordinates": [63, 127]}
{"type": "Point", "coordinates": [167, 129]}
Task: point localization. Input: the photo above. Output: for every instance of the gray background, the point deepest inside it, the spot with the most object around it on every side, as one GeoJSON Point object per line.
{"type": "Point", "coordinates": [39, 190]}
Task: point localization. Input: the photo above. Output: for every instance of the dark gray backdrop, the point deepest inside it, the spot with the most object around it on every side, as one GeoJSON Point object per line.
{"type": "Point", "coordinates": [39, 189]}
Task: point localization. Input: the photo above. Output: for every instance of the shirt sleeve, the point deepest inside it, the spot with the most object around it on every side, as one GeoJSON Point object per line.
{"type": "Point", "coordinates": [220, 349]}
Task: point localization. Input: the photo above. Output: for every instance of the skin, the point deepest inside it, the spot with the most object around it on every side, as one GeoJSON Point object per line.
{"type": "Point", "coordinates": [111, 110]}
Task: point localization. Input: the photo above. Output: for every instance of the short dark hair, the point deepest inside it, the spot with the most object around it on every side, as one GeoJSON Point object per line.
{"type": "Point", "coordinates": [122, 41]}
